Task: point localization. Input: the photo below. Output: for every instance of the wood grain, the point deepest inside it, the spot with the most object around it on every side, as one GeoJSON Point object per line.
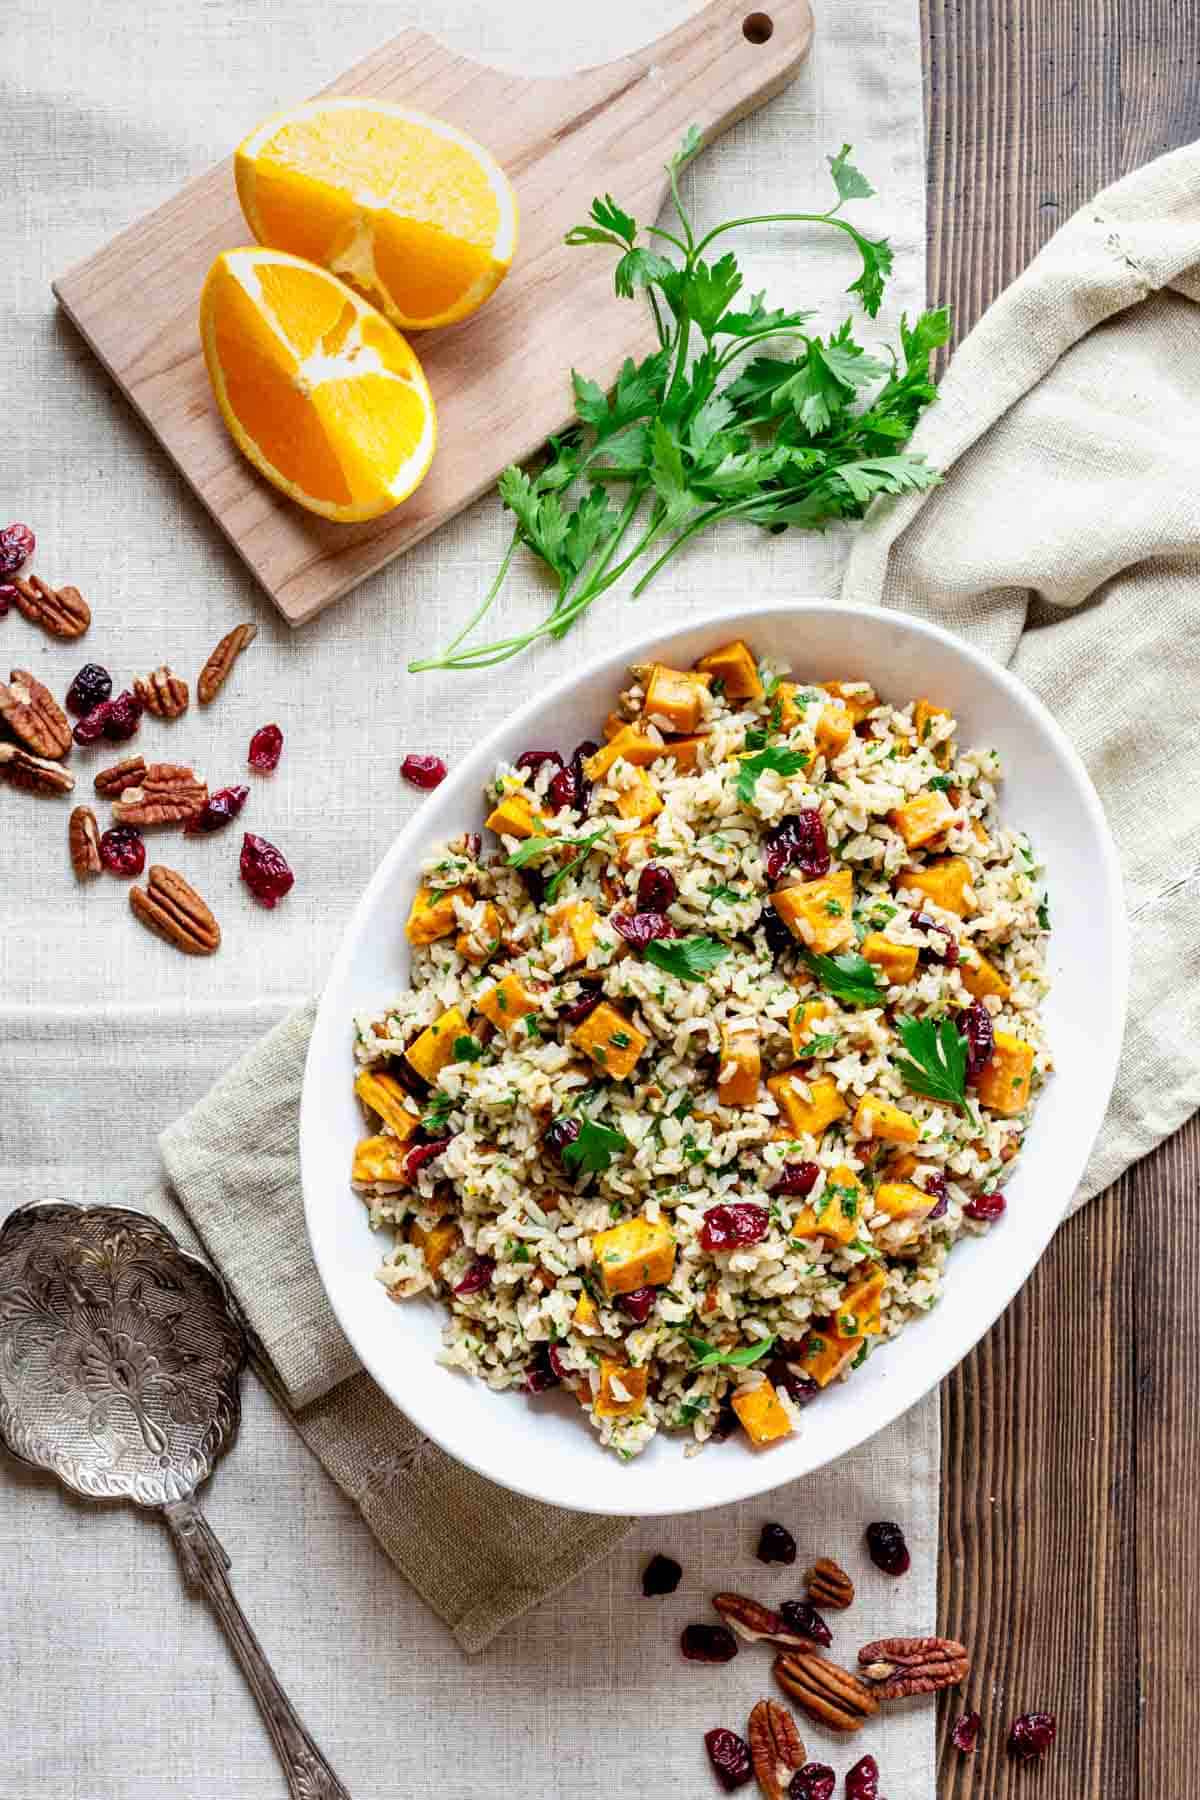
{"type": "Point", "coordinates": [1071, 1436]}
{"type": "Point", "coordinates": [135, 301]}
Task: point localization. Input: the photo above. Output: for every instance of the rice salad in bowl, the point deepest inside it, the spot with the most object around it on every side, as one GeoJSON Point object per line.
{"type": "Point", "coordinates": [711, 1054]}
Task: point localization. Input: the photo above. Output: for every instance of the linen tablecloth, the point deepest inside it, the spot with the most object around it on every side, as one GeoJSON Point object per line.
{"type": "Point", "coordinates": [116, 1686]}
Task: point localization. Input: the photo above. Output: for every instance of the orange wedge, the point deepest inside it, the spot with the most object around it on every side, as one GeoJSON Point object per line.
{"type": "Point", "coordinates": [414, 214]}
{"type": "Point", "coordinates": [323, 395]}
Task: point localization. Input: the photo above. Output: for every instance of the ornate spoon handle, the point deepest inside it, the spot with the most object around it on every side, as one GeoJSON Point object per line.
{"type": "Point", "coordinates": [205, 1566]}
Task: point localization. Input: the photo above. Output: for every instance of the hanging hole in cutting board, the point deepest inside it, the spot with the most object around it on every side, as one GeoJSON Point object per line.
{"type": "Point", "coordinates": [757, 27]}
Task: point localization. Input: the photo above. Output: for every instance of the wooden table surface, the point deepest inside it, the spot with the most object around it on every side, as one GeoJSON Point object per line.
{"type": "Point", "coordinates": [1071, 1437]}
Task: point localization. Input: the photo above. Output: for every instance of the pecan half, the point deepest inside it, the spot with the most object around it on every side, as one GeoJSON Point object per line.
{"type": "Point", "coordinates": [897, 1667]}
{"type": "Point", "coordinates": [829, 1585]}
{"type": "Point", "coordinates": [216, 669]}
{"type": "Point", "coordinates": [122, 775]}
{"type": "Point", "coordinates": [162, 693]}
{"type": "Point", "coordinates": [776, 1748]}
{"type": "Point", "coordinates": [171, 907]}
{"type": "Point", "coordinates": [63, 612]}
{"type": "Point", "coordinates": [165, 795]}
{"type": "Point", "coordinates": [826, 1692]}
{"type": "Point", "coordinates": [31, 773]}
{"type": "Point", "coordinates": [34, 716]}
{"type": "Point", "coordinates": [83, 841]}
{"type": "Point", "coordinates": [756, 1624]}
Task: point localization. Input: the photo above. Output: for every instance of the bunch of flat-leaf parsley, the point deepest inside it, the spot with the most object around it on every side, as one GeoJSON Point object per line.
{"type": "Point", "coordinates": [686, 440]}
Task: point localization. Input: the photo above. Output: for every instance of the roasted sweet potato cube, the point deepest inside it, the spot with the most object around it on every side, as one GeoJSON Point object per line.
{"type": "Point", "coordinates": [612, 1042]}
{"type": "Point", "coordinates": [763, 1417]}
{"type": "Point", "coordinates": [898, 961]}
{"type": "Point", "coordinates": [858, 697]}
{"type": "Point", "coordinates": [586, 1316]}
{"type": "Point", "coordinates": [634, 847]}
{"type": "Point", "coordinates": [629, 743]}
{"type": "Point", "coordinates": [578, 919]}
{"type": "Point", "coordinates": [858, 1314]}
{"type": "Point", "coordinates": [876, 1118]}
{"type": "Point", "coordinates": [384, 1095]}
{"type": "Point", "coordinates": [813, 1115]}
{"type": "Point", "coordinates": [924, 714]}
{"type": "Point", "coordinates": [979, 976]}
{"type": "Point", "coordinates": [904, 1204]}
{"type": "Point", "coordinates": [824, 1353]}
{"type": "Point", "coordinates": [684, 752]}
{"type": "Point", "coordinates": [435, 1244]}
{"type": "Point", "coordinates": [674, 698]}
{"type": "Point", "coordinates": [636, 1253]}
{"type": "Point", "coordinates": [834, 729]}
{"type": "Point", "coordinates": [901, 1165]}
{"type": "Point", "coordinates": [791, 710]}
{"type": "Point", "coordinates": [622, 1389]}
{"type": "Point", "coordinates": [807, 1021]}
{"type": "Point", "coordinates": [435, 1047]}
{"type": "Point", "coordinates": [835, 1216]}
{"type": "Point", "coordinates": [925, 817]}
{"type": "Point", "coordinates": [433, 915]}
{"type": "Point", "coordinates": [612, 725]}
{"type": "Point", "coordinates": [947, 882]}
{"type": "Point", "coordinates": [640, 802]}
{"type": "Point", "coordinates": [507, 1003]}
{"type": "Point", "coordinates": [484, 940]}
{"type": "Point", "coordinates": [734, 666]}
{"type": "Point", "coordinates": [1004, 1084]}
{"type": "Point", "coordinates": [378, 1159]}
{"type": "Point", "coordinates": [821, 912]}
{"type": "Point", "coordinates": [741, 1064]}
{"type": "Point", "coordinates": [514, 816]}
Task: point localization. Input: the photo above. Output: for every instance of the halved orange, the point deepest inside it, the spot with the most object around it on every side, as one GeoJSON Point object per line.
{"type": "Point", "coordinates": [410, 211]}
{"type": "Point", "coordinates": [324, 396]}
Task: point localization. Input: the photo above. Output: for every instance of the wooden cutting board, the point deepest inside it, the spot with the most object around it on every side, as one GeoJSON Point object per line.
{"type": "Point", "coordinates": [500, 379]}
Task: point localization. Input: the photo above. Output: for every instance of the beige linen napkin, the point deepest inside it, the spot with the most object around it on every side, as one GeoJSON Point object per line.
{"type": "Point", "coordinates": [477, 1554]}
{"type": "Point", "coordinates": [1066, 542]}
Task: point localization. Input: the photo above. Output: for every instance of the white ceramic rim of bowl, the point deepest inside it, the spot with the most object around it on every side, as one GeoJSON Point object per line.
{"type": "Point", "coordinates": [331, 1036]}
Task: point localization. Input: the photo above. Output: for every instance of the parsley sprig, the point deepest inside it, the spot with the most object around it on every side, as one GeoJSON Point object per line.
{"type": "Point", "coordinates": [535, 847]}
{"type": "Point", "coordinates": [775, 759]}
{"type": "Point", "coordinates": [936, 1064]}
{"type": "Point", "coordinates": [711, 1356]}
{"type": "Point", "coordinates": [685, 442]}
{"type": "Point", "coordinates": [689, 958]}
{"type": "Point", "coordinates": [593, 1150]}
{"type": "Point", "coordinates": [849, 977]}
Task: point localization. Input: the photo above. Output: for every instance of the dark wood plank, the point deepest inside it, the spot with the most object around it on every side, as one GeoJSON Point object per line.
{"type": "Point", "coordinates": [1071, 1437]}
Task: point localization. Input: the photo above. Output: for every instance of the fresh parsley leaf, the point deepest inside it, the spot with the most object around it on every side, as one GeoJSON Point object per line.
{"type": "Point", "coordinates": [710, 1356]}
{"type": "Point", "coordinates": [467, 1049]}
{"type": "Point", "coordinates": [709, 290]}
{"type": "Point", "coordinates": [1043, 914]}
{"type": "Point", "coordinates": [667, 474]}
{"type": "Point", "coordinates": [433, 1119]}
{"type": "Point", "coordinates": [692, 144]}
{"type": "Point", "coordinates": [936, 1064]}
{"type": "Point", "coordinates": [612, 222]}
{"type": "Point", "coordinates": [850, 183]}
{"type": "Point", "coordinates": [940, 783]}
{"type": "Point", "coordinates": [720, 890]}
{"type": "Point", "coordinates": [689, 958]}
{"type": "Point", "coordinates": [593, 1150]}
{"type": "Point", "coordinates": [848, 976]}
{"type": "Point", "coordinates": [780, 761]}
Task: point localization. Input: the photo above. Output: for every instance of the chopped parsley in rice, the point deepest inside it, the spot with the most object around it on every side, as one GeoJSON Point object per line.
{"type": "Point", "coordinates": [712, 1054]}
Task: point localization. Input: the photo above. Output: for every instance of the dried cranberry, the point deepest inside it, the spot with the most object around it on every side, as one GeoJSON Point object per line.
{"type": "Point", "coordinates": [266, 748]}
{"type": "Point", "coordinates": [92, 685]}
{"type": "Point", "coordinates": [656, 888]}
{"type": "Point", "coordinates": [639, 1304]}
{"type": "Point", "coordinates": [554, 1358]}
{"type": "Point", "coordinates": [571, 787]}
{"type": "Point", "coordinates": [123, 850]}
{"type": "Point", "coordinates": [935, 1184]}
{"type": "Point", "coordinates": [559, 1133]}
{"type": "Point", "coordinates": [948, 953]}
{"type": "Point", "coordinates": [730, 1757]}
{"type": "Point", "coordinates": [1030, 1736]}
{"type": "Point", "coordinates": [420, 1154]}
{"type": "Point", "coordinates": [534, 883]}
{"type": "Point", "coordinates": [90, 728]}
{"type": "Point", "coordinates": [8, 597]}
{"type": "Point", "coordinates": [540, 1375]}
{"type": "Point", "coordinates": [862, 1781]}
{"type": "Point", "coordinates": [477, 1277]}
{"type": "Point", "coordinates": [779, 938]}
{"type": "Point", "coordinates": [800, 1389]}
{"type": "Point", "coordinates": [641, 928]}
{"type": "Point", "coordinates": [562, 789]}
{"type": "Point", "coordinates": [122, 717]}
{"type": "Point", "coordinates": [588, 1000]}
{"type": "Point", "coordinates": [976, 1026]}
{"type": "Point", "coordinates": [965, 1734]}
{"type": "Point", "coordinates": [775, 1544]}
{"type": "Point", "coordinates": [887, 1548]}
{"type": "Point", "coordinates": [802, 1617]}
{"type": "Point", "coordinates": [799, 842]}
{"type": "Point", "coordinates": [423, 771]}
{"type": "Point", "coordinates": [533, 760]}
{"type": "Point", "coordinates": [219, 810]}
{"type": "Point", "coordinates": [815, 1781]}
{"type": "Point", "coordinates": [472, 844]}
{"type": "Point", "coordinates": [986, 1207]}
{"type": "Point", "coordinates": [264, 870]}
{"type": "Point", "coordinates": [798, 1178]}
{"type": "Point", "coordinates": [728, 1227]}
{"type": "Point", "coordinates": [661, 1575]}
{"type": "Point", "coordinates": [708, 1643]}
{"type": "Point", "coordinates": [17, 545]}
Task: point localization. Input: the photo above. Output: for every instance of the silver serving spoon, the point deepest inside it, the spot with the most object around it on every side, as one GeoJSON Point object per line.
{"type": "Point", "coordinates": [119, 1364]}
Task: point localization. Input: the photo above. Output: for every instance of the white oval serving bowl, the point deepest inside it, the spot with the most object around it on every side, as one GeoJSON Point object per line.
{"type": "Point", "coordinates": [542, 1447]}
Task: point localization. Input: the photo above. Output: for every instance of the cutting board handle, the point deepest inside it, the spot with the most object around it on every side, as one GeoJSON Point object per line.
{"type": "Point", "coordinates": [725, 61]}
